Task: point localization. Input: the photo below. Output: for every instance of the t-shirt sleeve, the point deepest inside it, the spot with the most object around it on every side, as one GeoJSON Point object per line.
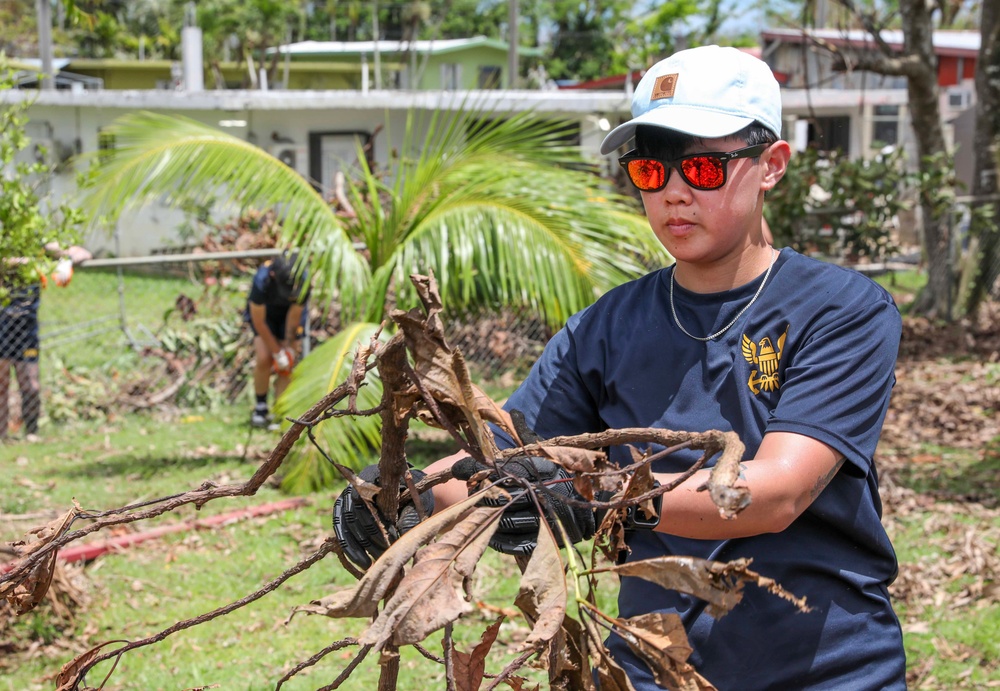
{"type": "Point", "coordinates": [558, 397]}
{"type": "Point", "coordinates": [837, 383]}
{"type": "Point", "coordinates": [258, 287]}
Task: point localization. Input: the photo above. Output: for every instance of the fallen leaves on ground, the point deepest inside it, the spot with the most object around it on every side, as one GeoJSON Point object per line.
{"type": "Point", "coordinates": [938, 462]}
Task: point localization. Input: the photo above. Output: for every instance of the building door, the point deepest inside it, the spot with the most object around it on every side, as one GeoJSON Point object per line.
{"type": "Point", "coordinates": [330, 153]}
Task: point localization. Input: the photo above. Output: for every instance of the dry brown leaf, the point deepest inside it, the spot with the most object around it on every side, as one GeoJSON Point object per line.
{"type": "Point", "coordinates": [24, 595]}
{"type": "Point", "coordinates": [610, 675]}
{"type": "Point", "coordinates": [29, 592]}
{"type": "Point", "coordinates": [720, 584]}
{"type": "Point", "coordinates": [542, 596]}
{"type": "Point", "coordinates": [470, 668]}
{"type": "Point", "coordinates": [443, 371]}
{"type": "Point", "coordinates": [69, 676]}
{"type": "Point", "coordinates": [698, 577]}
{"type": "Point", "coordinates": [613, 677]}
{"type": "Point", "coordinates": [569, 666]}
{"type": "Point", "coordinates": [427, 598]}
{"type": "Point", "coordinates": [640, 482]}
{"type": "Point", "coordinates": [361, 600]}
{"type": "Point", "coordinates": [659, 639]}
{"type": "Point", "coordinates": [584, 464]}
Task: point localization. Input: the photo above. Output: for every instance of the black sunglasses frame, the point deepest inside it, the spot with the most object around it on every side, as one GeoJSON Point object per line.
{"type": "Point", "coordinates": [723, 157]}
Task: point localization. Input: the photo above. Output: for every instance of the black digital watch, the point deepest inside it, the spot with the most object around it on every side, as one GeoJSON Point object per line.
{"type": "Point", "coordinates": [635, 518]}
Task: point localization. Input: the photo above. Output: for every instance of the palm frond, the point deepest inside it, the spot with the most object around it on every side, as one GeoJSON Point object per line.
{"type": "Point", "coordinates": [160, 157]}
{"type": "Point", "coordinates": [350, 441]}
{"type": "Point", "coordinates": [502, 214]}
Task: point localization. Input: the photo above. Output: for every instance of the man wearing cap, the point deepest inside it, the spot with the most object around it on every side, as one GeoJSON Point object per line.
{"type": "Point", "coordinates": [794, 355]}
{"type": "Point", "coordinates": [277, 312]}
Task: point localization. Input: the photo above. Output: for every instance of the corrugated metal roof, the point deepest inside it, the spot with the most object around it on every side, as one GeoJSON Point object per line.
{"type": "Point", "coordinates": [959, 43]}
{"type": "Point", "coordinates": [355, 48]}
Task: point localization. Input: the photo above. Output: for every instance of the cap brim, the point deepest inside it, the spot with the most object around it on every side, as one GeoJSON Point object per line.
{"type": "Point", "coordinates": [694, 121]}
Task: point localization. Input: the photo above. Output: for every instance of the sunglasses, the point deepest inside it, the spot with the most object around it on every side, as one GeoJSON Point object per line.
{"type": "Point", "coordinates": [705, 171]}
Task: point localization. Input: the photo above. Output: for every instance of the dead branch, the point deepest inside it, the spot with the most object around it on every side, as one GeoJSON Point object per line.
{"type": "Point", "coordinates": [199, 497]}
{"type": "Point", "coordinates": [333, 647]}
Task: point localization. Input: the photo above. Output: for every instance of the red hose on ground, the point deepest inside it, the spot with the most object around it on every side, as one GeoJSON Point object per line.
{"type": "Point", "coordinates": [92, 550]}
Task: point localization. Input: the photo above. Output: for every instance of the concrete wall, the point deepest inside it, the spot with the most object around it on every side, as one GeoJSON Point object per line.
{"type": "Point", "coordinates": [71, 124]}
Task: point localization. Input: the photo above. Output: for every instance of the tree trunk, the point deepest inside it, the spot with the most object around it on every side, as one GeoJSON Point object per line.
{"type": "Point", "coordinates": [918, 29]}
{"type": "Point", "coordinates": [986, 141]}
{"type": "Point", "coordinates": [918, 63]}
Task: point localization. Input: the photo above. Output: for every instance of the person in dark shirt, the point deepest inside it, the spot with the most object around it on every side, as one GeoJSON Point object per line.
{"type": "Point", "coordinates": [19, 337]}
{"type": "Point", "coordinates": [277, 309]}
{"type": "Point", "coordinates": [794, 355]}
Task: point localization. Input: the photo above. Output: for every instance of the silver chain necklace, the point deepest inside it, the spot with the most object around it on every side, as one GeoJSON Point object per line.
{"type": "Point", "coordinates": [739, 314]}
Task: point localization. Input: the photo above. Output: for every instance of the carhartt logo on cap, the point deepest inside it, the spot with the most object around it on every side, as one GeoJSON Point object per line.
{"type": "Point", "coordinates": [664, 87]}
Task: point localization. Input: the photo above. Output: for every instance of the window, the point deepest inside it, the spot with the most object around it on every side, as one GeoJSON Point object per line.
{"type": "Point", "coordinates": [489, 77]}
{"type": "Point", "coordinates": [451, 77]}
{"type": "Point", "coordinates": [885, 125]}
{"type": "Point", "coordinates": [105, 145]}
{"type": "Point", "coordinates": [830, 133]}
{"type": "Point", "coordinates": [959, 98]}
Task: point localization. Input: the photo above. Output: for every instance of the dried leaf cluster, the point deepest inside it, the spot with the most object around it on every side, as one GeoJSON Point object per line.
{"type": "Point", "coordinates": [420, 585]}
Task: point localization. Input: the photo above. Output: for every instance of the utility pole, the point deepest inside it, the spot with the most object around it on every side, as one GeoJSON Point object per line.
{"type": "Point", "coordinates": [512, 37]}
{"type": "Point", "coordinates": [47, 77]}
{"type": "Point", "coordinates": [378, 60]}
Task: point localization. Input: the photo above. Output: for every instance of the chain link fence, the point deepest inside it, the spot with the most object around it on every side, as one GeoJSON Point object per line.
{"type": "Point", "coordinates": [166, 334]}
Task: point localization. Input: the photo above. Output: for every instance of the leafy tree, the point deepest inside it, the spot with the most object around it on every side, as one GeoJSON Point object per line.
{"type": "Point", "coordinates": [491, 203]}
{"type": "Point", "coordinates": [583, 42]}
{"type": "Point", "coordinates": [918, 63]}
{"type": "Point", "coordinates": [27, 219]}
{"type": "Point", "coordinates": [18, 28]}
{"type": "Point", "coordinates": [855, 201]}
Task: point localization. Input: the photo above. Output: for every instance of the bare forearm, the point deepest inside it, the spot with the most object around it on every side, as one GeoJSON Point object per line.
{"type": "Point", "coordinates": [292, 321]}
{"type": "Point", "coordinates": [450, 492]}
{"type": "Point", "coordinates": [787, 475]}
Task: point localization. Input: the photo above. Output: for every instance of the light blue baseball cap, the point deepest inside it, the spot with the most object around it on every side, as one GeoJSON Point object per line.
{"type": "Point", "coordinates": [705, 92]}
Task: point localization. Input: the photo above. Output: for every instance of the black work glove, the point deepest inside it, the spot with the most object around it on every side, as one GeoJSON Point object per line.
{"type": "Point", "coordinates": [358, 530]}
{"type": "Point", "coordinates": [518, 531]}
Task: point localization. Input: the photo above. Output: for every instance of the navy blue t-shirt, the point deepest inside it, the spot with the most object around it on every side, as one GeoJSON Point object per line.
{"type": "Point", "coordinates": [622, 362]}
{"type": "Point", "coordinates": [265, 290]}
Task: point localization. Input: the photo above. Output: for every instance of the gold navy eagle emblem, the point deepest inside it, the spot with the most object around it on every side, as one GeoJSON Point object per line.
{"type": "Point", "coordinates": [766, 358]}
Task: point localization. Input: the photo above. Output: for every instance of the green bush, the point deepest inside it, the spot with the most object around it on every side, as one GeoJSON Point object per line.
{"type": "Point", "coordinates": [828, 204]}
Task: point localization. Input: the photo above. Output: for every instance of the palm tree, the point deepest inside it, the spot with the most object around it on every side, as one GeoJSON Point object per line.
{"type": "Point", "coordinates": [493, 204]}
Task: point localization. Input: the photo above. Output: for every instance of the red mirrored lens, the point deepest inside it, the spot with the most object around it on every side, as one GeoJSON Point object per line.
{"type": "Point", "coordinates": [707, 172]}
{"type": "Point", "coordinates": [646, 173]}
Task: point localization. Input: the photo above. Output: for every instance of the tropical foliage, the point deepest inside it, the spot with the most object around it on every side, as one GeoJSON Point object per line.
{"type": "Point", "coordinates": [26, 225]}
{"type": "Point", "coordinates": [832, 204]}
{"type": "Point", "coordinates": [580, 40]}
{"type": "Point", "coordinates": [491, 203]}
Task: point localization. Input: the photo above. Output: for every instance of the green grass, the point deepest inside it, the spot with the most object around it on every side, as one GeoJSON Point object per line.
{"type": "Point", "coordinates": [951, 630]}
{"type": "Point", "coordinates": [904, 286]}
{"type": "Point", "coordinates": [903, 281]}
{"type": "Point", "coordinates": [140, 591]}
